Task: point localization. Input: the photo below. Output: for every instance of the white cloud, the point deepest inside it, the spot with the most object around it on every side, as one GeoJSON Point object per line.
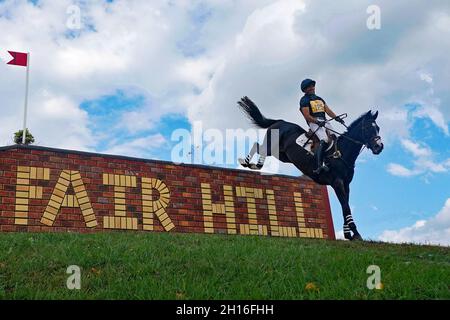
{"type": "Point", "coordinates": [400, 171]}
{"type": "Point", "coordinates": [259, 48]}
{"type": "Point", "coordinates": [132, 44]}
{"type": "Point", "coordinates": [423, 162]}
{"type": "Point", "coordinates": [427, 77]}
{"type": "Point", "coordinates": [447, 163]}
{"type": "Point", "coordinates": [416, 149]}
{"type": "Point", "coordinates": [430, 165]}
{"type": "Point", "coordinates": [432, 112]}
{"type": "Point", "coordinates": [140, 147]}
{"type": "Point", "coordinates": [435, 230]}
{"type": "Point", "coordinates": [356, 69]}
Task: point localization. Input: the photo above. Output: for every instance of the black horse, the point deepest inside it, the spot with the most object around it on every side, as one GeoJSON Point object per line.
{"type": "Point", "coordinates": [341, 160]}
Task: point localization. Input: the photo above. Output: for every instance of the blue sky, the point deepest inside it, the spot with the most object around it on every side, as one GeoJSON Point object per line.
{"type": "Point", "coordinates": [122, 76]}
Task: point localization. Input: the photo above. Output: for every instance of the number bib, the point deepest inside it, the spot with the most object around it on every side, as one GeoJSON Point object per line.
{"type": "Point", "coordinates": [317, 106]}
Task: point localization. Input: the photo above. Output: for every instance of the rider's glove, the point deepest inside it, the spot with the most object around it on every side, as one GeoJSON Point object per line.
{"type": "Point", "coordinates": [320, 123]}
{"type": "Point", "coordinates": [341, 121]}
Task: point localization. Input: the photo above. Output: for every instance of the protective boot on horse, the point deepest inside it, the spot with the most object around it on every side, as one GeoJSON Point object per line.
{"type": "Point", "coordinates": [262, 157]}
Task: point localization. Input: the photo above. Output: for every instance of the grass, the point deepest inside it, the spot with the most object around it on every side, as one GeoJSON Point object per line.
{"type": "Point", "coordinates": [120, 265]}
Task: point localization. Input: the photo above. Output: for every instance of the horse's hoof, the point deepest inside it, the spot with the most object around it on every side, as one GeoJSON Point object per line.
{"type": "Point", "coordinates": [243, 163]}
{"type": "Point", "coordinates": [348, 236]}
{"type": "Point", "coordinates": [357, 237]}
{"type": "Point", "coordinates": [255, 166]}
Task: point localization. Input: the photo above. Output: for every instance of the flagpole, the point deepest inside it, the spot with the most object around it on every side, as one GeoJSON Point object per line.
{"type": "Point", "coordinates": [26, 100]}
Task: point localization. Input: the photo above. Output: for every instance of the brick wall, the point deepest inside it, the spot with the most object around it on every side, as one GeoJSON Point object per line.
{"type": "Point", "coordinates": [45, 190]}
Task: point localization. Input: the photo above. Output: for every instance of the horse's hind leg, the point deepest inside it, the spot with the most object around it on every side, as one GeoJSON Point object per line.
{"type": "Point", "coordinates": [269, 147]}
{"type": "Point", "coordinates": [246, 162]}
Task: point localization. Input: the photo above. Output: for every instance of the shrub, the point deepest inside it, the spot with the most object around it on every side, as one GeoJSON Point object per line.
{"type": "Point", "coordinates": [29, 139]}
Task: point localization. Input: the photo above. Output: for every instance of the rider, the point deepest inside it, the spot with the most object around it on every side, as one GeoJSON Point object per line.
{"type": "Point", "coordinates": [313, 109]}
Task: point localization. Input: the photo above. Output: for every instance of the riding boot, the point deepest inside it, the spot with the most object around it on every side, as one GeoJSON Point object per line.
{"type": "Point", "coordinates": [319, 156]}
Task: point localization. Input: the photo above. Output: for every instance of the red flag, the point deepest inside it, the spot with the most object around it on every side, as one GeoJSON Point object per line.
{"type": "Point", "coordinates": [19, 58]}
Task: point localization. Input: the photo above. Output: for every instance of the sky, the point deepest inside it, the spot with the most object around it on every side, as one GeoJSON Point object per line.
{"type": "Point", "coordinates": [122, 77]}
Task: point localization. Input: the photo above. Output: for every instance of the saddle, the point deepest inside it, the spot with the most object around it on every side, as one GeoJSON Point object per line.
{"type": "Point", "coordinates": [310, 142]}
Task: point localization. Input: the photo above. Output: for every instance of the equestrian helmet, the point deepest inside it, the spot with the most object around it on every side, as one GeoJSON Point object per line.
{"type": "Point", "coordinates": [306, 84]}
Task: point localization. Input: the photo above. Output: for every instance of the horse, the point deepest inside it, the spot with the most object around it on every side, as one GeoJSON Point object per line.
{"type": "Point", "coordinates": [363, 132]}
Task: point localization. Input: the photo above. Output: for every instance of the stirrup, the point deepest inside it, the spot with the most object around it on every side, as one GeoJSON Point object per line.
{"type": "Point", "coordinates": [337, 154]}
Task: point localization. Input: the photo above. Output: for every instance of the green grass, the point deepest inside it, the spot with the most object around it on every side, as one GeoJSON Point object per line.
{"type": "Point", "coordinates": [121, 265]}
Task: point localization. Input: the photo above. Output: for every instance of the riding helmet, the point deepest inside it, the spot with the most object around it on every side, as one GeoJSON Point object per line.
{"type": "Point", "coordinates": [306, 83]}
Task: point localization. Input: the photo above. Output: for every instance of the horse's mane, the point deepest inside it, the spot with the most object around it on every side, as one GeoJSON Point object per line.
{"type": "Point", "coordinates": [355, 123]}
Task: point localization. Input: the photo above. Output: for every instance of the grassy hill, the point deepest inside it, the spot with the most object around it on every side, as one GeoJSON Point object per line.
{"type": "Point", "coordinates": [121, 265]}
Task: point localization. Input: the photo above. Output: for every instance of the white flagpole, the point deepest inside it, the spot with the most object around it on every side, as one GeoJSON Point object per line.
{"type": "Point", "coordinates": [26, 100]}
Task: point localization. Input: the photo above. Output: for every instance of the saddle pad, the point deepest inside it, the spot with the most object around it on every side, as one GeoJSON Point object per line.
{"type": "Point", "coordinates": [301, 140]}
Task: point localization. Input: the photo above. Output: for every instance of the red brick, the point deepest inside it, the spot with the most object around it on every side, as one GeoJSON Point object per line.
{"type": "Point", "coordinates": [184, 182]}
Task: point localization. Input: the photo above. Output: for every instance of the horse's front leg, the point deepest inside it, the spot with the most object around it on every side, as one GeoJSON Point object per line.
{"type": "Point", "coordinates": [350, 223]}
{"type": "Point", "coordinates": [342, 191]}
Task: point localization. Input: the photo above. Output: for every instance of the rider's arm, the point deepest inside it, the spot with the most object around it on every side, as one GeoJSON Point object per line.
{"type": "Point", "coordinates": [329, 112]}
{"type": "Point", "coordinates": [307, 115]}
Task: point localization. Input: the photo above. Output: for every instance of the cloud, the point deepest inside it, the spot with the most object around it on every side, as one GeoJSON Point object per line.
{"type": "Point", "coordinates": [416, 149]}
{"type": "Point", "coordinates": [400, 171]}
{"type": "Point", "coordinates": [198, 58]}
{"type": "Point", "coordinates": [421, 166]}
{"type": "Point", "coordinates": [356, 69]}
{"type": "Point", "coordinates": [127, 45]}
{"type": "Point", "coordinates": [426, 77]}
{"type": "Point", "coordinates": [435, 230]}
{"type": "Point", "coordinates": [434, 114]}
{"type": "Point", "coordinates": [141, 147]}
{"type": "Point", "coordinates": [423, 163]}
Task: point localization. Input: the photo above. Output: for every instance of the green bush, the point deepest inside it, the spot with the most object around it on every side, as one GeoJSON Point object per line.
{"type": "Point", "coordinates": [29, 139]}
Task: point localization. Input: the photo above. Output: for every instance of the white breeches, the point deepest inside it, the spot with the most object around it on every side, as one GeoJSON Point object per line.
{"type": "Point", "coordinates": [321, 132]}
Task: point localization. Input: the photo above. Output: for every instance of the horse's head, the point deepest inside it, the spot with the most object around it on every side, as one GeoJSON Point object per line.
{"type": "Point", "coordinates": [371, 132]}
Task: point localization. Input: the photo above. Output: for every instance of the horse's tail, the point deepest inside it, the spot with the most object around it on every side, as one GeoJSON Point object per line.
{"type": "Point", "coordinates": [253, 113]}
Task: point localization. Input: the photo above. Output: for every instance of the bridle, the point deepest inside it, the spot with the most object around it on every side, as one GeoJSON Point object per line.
{"type": "Point", "coordinates": [365, 145]}
{"type": "Point", "coordinates": [368, 144]}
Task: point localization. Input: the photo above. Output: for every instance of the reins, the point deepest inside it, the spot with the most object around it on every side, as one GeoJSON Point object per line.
{"type": "Point", "coordinates": [344, 134]}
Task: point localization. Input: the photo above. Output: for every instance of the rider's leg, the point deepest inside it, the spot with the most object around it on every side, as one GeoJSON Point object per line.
{"type": "Point", "coordinates": [323, 138]}
{"type": "Point", "coordinates": [319, 157]}
{"type": "Point", "coordinates": [332, 134]}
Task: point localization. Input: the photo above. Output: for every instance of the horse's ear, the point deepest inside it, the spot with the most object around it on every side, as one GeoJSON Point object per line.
{"type": "Point", "coordinates": [375, 115]}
